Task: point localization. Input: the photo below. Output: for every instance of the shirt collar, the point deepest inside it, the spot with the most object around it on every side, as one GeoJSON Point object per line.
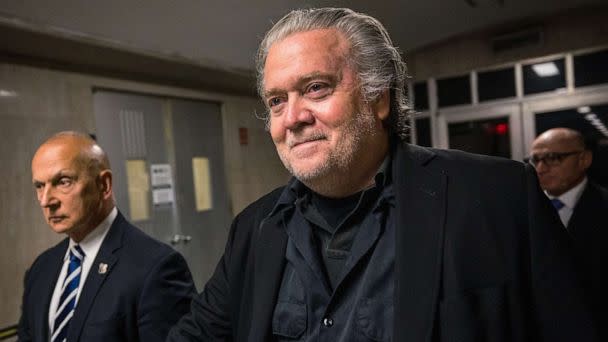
{"type": "Point", "coordinates": [296, 190]}
{"type": "Point", "coordinates": [383, 175]}
{"type": "Point", "coordinates": [571, 197]}
{"type": "Point", "coordinates": [92, 242]}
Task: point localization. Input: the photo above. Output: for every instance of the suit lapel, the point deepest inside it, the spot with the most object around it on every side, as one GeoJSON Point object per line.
{"type": "Point", "coordinates": [268, 268]}
{"type": "Point", "coordinates": [584, 210]}
{"type": "Point", "coordinates": [51, 277]}
{"type": "Point", "coordinates": [97, 276]}
{"type": "Point", "coordinates": [421, 196]}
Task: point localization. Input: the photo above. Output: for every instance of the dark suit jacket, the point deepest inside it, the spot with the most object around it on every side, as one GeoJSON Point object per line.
{"type": "Point", "coordinates": [588, 227]}
{"type": "Point", "coordinates": [146, 289]}
{"type": "Point", "coordinates": [480, 256]}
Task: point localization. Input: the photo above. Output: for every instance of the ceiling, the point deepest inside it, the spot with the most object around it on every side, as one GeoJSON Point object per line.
{"type": "Point", "coordinates": [210, 44]}
{"type": "Point", "coordinates": [224, 34]}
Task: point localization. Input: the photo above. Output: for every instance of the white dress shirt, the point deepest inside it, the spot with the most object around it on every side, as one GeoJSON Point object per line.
{"type": "Point", "coordinates": [569, 198]}
{"type": "Point", "coordinates": [90, 245]}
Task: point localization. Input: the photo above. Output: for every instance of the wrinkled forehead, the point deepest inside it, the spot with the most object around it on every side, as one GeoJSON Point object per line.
{"type": "Point", "coordinates": [556, 144]}
{"type": "Point", "coordinates": [329, 45]}
{"type": "Point", "coordinates": [315, 37]}
{"type": "Point", "coordinates": [57, 154]}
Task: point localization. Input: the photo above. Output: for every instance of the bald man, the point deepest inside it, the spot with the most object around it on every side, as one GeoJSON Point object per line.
{"type": "Point", "coordinates": [107, 280]}
{"type": "Point", "coordinates": [561, 160]}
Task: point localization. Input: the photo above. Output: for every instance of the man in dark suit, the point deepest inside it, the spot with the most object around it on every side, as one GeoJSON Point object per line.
{"type": "Point", "coordinates": [561, 160]}
{"type": "Point", "coordinates": [374, 239]}
{"type": "Point", "coordinates": [107, 281]}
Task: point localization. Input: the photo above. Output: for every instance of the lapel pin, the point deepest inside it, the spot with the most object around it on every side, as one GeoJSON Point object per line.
{"type": "Point", "coordinates": [103, 268]}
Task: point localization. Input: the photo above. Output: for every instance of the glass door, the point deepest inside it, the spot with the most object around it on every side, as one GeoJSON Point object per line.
{"type": "Point", "coordinates": [586, 113]}
{"type": "Point", "coordinates": [491, 130]}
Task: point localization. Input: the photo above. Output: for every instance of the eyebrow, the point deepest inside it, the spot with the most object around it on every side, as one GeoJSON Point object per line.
{"type": "Point", "coordinates": [55, 177]}
{"type": "Point", "coordinates": [304, 80]}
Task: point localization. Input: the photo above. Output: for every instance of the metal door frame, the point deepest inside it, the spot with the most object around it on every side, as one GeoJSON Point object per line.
{"type": "Point", "coordinates": [588, 96]}
{"type": "Point", "coordinates": [480, 112]}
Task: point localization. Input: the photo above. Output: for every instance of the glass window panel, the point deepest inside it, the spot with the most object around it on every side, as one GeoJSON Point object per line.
{"type": "Point", "coordinates": [201, 174]}
{"type": "Point", "coordinates": [454, 91]}
{"type": "Point", "coordinates": [490, 137]}
{"type": "Point", "coordinates": [423, 132]}
{"type": "Point", "coordinates": [592, 122]}
{"type": "Point", "coordinates": [544, 76]}
{"type": "Point", "coordinates": [421, 97]}
{"type": "Point", "coordinates": [138, 187]}
{"type": "Point", "coordinates": [591, 68]}
{"type": "Point", "coordinates": [571, 118]}
{"type": "Point", "coordinates": [496, 84]}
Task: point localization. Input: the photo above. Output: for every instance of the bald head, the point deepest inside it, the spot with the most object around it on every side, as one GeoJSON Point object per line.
{"type": "Point", "coordinates": [84, 149]}
{"type": "Point", "coordinates": [561, 159]}
{"type": "Point", "coordinates": [73, 182]}
{"type": "Point", "coordinates": [561, 136]}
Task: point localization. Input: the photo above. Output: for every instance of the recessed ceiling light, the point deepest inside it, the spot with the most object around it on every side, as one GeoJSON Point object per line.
{"type": "Point", "coordinates": [545, 69]}
{"type": "Point", "coordinates": [590, 116]}
{"type": "Point", "coordinates": [583, 109]}
{"type": "Point", "coordinates": [7, 93]}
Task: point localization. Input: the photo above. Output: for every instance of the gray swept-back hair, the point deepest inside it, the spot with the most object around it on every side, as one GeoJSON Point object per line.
{"type": "Point", "coordinates": [377, 62]}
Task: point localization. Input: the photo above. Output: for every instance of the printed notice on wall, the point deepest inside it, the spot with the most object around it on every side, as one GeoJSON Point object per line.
{"type": "Point", "coordinates": [162, 196]}
{"type": "Point", "coordinates": [162, 184]}
{"type": "Point", "coordinates": [202, 183]}
{"type": "Point", "coordinates": [161, 175]}
{"type": "Point", "coordinates": [139, 188]}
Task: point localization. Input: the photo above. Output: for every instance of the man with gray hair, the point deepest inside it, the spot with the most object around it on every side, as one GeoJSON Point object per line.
{"type": "Point", "coordinates": [374, 239]}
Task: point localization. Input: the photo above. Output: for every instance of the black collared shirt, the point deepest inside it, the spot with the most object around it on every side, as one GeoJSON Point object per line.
{"type": "Point", "coordinates": [338, 281]}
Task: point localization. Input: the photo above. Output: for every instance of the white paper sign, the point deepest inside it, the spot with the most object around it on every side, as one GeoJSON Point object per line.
{"type": "Point", "coordinates": [162, 196]}
{"type": "Point", "coordinates": [161, 175]}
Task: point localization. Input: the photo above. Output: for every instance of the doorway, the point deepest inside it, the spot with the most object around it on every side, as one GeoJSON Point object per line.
{"type": "Point", "coordinates": [491, 130]}
{"type": "Point", "coordinates": [169, 180]}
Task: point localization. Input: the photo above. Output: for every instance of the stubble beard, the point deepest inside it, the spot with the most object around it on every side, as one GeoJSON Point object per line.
{"type": "Point", "coordinates": [333, 170]}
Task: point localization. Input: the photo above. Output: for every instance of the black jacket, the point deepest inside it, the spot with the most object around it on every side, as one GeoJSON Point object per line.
{"type": "Point", "coordinates": [588, 227]}
{"type": "Point", "coordinates": [480, 256]}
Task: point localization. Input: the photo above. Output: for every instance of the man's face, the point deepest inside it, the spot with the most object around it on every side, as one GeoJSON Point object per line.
{"type": "Point", "coordinates": [567, 173]}
{"type": "Point", "coordinates": [68, 195]}
{"type": "Point", "coordinates": [318, 121]}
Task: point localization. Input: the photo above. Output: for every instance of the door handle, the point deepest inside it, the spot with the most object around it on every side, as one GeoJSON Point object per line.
{"type": "Point", "coordinates": [179, 238]}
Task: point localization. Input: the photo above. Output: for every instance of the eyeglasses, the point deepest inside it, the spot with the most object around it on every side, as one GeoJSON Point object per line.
{"type": "Point", "coordinates": [550, 159]}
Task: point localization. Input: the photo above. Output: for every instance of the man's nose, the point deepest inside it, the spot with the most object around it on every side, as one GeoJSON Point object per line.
{"type": "Point", "coordinates": [298, 113]}
{"type": "Point", "coordinates": [541, 166]}
{"type": "Point", "coordinates": [46, 197]}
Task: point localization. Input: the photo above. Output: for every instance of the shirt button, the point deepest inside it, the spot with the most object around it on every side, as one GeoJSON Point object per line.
{"type": "Point", "coordinates": [328, 322]}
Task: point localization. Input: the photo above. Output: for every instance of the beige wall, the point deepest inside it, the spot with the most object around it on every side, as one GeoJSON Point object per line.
{"type": "Point", "coordinates": [49, 101]}
{"type": "Point", "coordinates": [255, 168]}
{"type": "Point", "coordinates": [577, 29]}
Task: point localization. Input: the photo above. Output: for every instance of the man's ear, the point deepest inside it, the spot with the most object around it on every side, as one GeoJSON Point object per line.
{"type": "Point", "coordinates": [105, 183]}
{"type": "Point", "coordinates": [586, 159]}
{"type": "Point", "coordinates": [382, 106]}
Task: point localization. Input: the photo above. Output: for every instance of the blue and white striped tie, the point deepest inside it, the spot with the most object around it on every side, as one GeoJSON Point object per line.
{"type": "Point", "coordinates": [558, 204]}
{"type": "Point", "coordinates": [69, 291]}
